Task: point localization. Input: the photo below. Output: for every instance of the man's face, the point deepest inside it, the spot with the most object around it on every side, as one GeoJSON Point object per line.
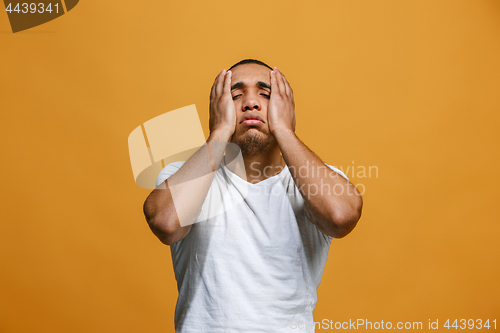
{"type": "Point", "coordinates": [251, 89]}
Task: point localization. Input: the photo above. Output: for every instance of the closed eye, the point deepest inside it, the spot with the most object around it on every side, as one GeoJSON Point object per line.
{"type": "Point", "coordinates": [265, 95]}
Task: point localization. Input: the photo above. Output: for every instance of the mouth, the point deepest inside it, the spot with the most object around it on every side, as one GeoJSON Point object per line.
{"type": "Point", "coordinates": [251, 121]}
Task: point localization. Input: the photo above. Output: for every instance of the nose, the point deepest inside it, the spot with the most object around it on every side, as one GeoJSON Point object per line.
{"type": "Point", "coordinates": [251, 102]}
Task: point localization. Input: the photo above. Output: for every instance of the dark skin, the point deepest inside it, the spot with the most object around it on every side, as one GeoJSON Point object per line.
{"type": "Point", "coordinates": [254, 91]}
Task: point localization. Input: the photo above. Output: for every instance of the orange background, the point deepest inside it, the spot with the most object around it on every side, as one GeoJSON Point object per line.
{"type": "Point", "coordinates": [411, 87]}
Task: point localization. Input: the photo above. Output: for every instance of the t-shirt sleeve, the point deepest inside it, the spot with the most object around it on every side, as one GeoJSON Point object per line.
{"type": "Point", "coordinates": [337, 171]}
{"type": "Point", "coordinates": [168, 171]}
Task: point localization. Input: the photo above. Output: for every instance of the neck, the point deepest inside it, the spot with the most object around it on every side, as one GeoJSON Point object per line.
{"type": "Point", "coordinates": [261, 166]}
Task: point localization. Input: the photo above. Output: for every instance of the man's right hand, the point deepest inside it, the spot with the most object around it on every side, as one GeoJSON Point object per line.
{"type": "Point", "coordinates": [175, 205]}
{"type": "Point", "coordinates": [222, 110]}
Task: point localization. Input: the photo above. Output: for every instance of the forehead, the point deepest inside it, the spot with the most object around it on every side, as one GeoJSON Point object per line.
{"type": "Point", "coordinates": [250, 74]}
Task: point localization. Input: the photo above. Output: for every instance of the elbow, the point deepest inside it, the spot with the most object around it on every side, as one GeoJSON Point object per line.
{"type": "Point", "coordinates": [344, 221]}
{"type": "Point", "coordinates": [342, 226]}
{"type": "Point", "coordinates": [165, 231]}
{"type": "Point", "coordinates": [164, 234]}
{"type": "Point", "coordinates": [163, 227]}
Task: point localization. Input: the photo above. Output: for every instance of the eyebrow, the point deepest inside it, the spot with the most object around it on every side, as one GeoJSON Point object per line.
{"type": "Point", "coordinates": [259, 83]}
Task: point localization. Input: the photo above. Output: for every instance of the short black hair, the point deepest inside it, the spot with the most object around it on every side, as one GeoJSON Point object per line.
{"type": "Point", "coordinates": [250, 61]}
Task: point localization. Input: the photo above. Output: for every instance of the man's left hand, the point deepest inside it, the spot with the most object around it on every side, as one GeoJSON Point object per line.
{"type": "Point", "coordinates": [281, 110]}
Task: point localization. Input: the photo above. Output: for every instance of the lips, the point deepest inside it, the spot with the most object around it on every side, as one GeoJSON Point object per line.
{"type": "Point", "coordinates": [252, 119]}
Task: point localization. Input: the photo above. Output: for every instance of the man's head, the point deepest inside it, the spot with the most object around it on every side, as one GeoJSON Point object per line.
{"type": "Point", "coordinates": [251, 90]}
{"type": "Point", "coordinates": [250, 61]}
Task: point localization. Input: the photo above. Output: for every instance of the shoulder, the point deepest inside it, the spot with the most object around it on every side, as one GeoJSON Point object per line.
{"type": "Point", "coordinates": [168, 171]}
{"type": "Point", "coordinates": [337, 171]}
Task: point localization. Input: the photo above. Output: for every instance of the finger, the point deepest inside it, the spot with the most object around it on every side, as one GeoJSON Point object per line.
{"type": "Point", "coordinates": [285, 83]}
{"type": "Point", "coordinates": [281, 83]}
{"type": "Point", "coordinates": [220, 82]}
{"type": "Point", "coordinates": [274, 84]}
{"type": "Point", "coordinates": [227, 83]}
{"type": "Point", "coordinates": [214, 86]}
{"type": "Point", "coordinates": [289, 90]}
{"type": "Point", "coordinates": [212, 92]}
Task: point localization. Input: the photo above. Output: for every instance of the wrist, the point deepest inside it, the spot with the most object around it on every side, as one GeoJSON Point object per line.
{"type": "Point", "coordinates": [283, 132]}
{"type": "Point", "coordinates": [220, 135]}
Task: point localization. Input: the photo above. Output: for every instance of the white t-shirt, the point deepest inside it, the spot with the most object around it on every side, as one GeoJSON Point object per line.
{"type": "Point", "coordinates": [256, 266]}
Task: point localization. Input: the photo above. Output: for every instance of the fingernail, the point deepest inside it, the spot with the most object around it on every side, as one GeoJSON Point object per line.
{"type": "Point", "coordinates": [272, 72]}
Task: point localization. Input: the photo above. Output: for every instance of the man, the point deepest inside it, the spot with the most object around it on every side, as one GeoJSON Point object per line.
{"type": "Point", "coordinates": [249, 242]}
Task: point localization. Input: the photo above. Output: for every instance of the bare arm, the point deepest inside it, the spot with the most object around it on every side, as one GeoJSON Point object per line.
{"type": "Point", "coordinates": [174, 205]}
{"type": "Point", "coordinates": [331, 202]}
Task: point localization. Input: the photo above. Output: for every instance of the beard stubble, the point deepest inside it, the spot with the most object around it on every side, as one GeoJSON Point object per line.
{"type": "Point", "coordinates": [254, 142]}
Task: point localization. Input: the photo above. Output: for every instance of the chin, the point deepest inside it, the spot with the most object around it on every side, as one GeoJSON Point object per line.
{"type": "Point", "coordinates": [253, 141]}
{"type": "Point", "coordinates": [252, 132]}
